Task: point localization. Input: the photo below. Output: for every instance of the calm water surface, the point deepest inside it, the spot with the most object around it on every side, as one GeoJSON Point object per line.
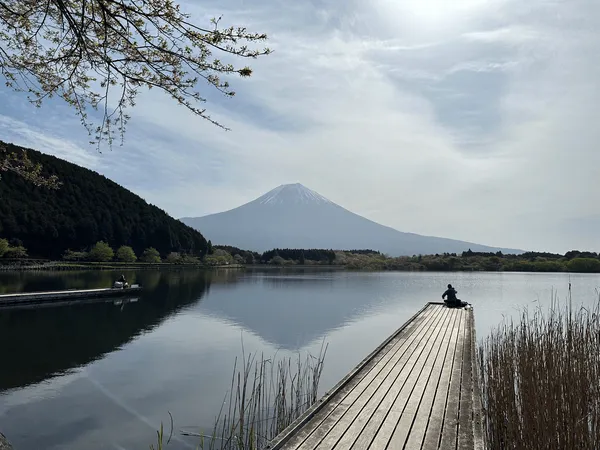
{"type": "Point", "coordinates": [104, 375]}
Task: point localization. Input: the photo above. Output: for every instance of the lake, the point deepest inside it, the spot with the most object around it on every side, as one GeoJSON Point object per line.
{"type": "Point", "coordinates": [104, 375]}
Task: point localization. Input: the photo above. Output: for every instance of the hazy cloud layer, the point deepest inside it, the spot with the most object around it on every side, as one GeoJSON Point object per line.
{"type": "Point", "coordinates": [472, 119]}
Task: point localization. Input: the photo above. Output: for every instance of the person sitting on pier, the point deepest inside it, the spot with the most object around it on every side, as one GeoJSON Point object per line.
{"type": "Point", "coordinates": [123, 280]}
{"type": "Point", "coordinates": [452, 301]}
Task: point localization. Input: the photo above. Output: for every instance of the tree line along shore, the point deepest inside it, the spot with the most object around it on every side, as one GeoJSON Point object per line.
{"type": "Point", "coordinates": [13, 255]}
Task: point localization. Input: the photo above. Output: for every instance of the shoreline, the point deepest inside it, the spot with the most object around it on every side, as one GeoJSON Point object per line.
{"type": "Point", "coordinates": [69, 266]}
{"type": "Point", "coordinates": [57, 266]}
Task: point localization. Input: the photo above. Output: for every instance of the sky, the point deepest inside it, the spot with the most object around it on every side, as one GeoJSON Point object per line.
{"type": "Point", "coordinates": [471, 119]}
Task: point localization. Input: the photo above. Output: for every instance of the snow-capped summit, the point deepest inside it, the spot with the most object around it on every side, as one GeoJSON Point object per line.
{"type": "Point", "coordinates": [294, 216]}
{"type": "Point", "coordinates": [291, 194]}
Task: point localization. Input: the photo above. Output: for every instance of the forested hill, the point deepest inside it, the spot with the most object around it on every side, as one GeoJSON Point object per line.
{"type": "Point", "coordinates": [87, 208]}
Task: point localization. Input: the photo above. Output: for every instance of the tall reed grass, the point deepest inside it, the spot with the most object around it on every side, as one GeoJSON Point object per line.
{"type": "Point", "coordinates": [265, 396]}
{"type": "Point", "coordinates": [540, 380]}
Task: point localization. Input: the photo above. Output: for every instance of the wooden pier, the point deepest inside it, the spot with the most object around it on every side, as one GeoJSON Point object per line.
{"type": "Point", "coordinates": [38, 298]}
{"type": "Point", "coordinates": [418, 390]}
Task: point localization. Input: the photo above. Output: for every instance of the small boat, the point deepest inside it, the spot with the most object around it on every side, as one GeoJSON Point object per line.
{"type": "Point", "coordinates": [124, 285]}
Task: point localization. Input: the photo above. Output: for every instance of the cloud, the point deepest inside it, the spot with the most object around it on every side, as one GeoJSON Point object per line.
{"type": "Point", "coordinates": [471, 119]}
{"type": "Point", "coordinates": [46, 141]}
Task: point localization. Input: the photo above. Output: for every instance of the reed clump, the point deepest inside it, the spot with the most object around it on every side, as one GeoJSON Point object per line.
{"type": "Point", "coordinates": [265, 397]}
{"type": "Point", "coordinates": [540, 380]}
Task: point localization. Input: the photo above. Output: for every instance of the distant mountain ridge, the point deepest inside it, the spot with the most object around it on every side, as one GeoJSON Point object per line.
{"type": "Point", "coordinates": [294, 216]}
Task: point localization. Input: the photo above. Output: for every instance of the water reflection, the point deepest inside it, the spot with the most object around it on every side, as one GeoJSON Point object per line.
{"type": "Point", "coordinates": [46, 280]}
{"type": "Point", "coordinates": [48, 341]}
{"type": "Point", "coordinates": [123, 367]}
{"type": "Point", "coordinates": [292, 310]}
{"type": "Point", "coordinates": [288, 310]}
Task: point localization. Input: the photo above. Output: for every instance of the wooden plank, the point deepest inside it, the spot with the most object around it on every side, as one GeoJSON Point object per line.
{"type": "Point", "coordinates": [33, 298]}
{"type": "Point", "coordinates": [403, 394]}
{"type": "Point", "coordinates": [419, 390]}
{"type": "Point", "coordinates": [370, 430]}
{"type": "Point", "coordinates": [361, 431]}
{"type": "Point", "coordinates": [422, 416]}
{"type": "Point", "coordinates": [450, 421]}
{"type": "Point", "coordinates": [435, 422]}
{"type": "Point", "coordinates": [44, 293]}
{"type": "Point", "coordinates": [348, 390]}
{"type": "Point", "coordinates": [465, 411]}
{"type": "Point", "coordinates": [364, 389]}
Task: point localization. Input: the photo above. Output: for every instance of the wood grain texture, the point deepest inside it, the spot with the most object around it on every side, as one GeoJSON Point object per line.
{"type": "Point", "coordinates": [417, 391]}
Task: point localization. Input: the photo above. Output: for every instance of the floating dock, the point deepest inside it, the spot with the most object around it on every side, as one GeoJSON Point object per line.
{"type": "Point", "coordinates": [39, 298]}
{"type": "Point", "coordinates": [418, 390]}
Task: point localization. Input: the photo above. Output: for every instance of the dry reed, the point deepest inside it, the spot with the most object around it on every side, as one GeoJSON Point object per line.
{"type": "Point", "coordinates": [264, 398]}
{"type": "Point", "coordinates": [540, 380]}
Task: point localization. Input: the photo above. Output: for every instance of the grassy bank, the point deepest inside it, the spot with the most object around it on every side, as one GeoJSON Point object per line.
{"type": "Point", "coordinates": [540, 380]}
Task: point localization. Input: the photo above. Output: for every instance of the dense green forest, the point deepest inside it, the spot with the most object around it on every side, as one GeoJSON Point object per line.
{"type": "Point", "coordinates": [573, 261]}
{"type": "Point", "coordinates": [316, 255]}
{"type": "Point", "coordinates": [87, 208]}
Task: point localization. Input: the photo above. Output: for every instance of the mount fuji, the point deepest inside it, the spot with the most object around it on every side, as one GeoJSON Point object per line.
{"type": "Point", "coordinates": [293, 216]}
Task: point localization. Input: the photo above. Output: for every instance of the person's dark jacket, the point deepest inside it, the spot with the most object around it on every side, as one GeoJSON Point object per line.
{"type": "Point", "coordinates": [451, 293]}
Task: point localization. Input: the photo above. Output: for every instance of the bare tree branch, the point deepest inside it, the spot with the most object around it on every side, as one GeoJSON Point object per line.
{"type": "Point", "coordinates": [20, 164]}
{"type": "Point", "coordinates": [82, 50]}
